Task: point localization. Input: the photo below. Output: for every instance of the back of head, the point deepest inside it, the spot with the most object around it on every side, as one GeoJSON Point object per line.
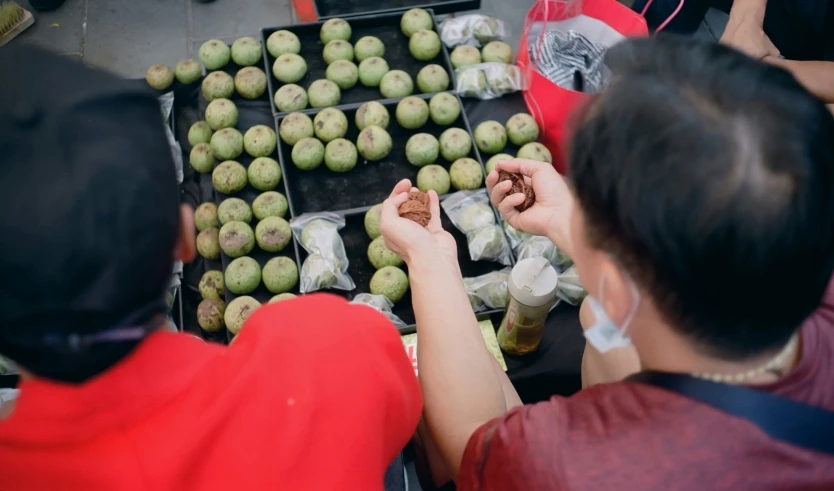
{"type": "Point", "coordinates": [88, 213]}
{"type": "Point", "coordinates": [710, 176]}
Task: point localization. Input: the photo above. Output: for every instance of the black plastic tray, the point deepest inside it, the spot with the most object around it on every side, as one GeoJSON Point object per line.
{"type": "Point", "coordinates": [386, 27]}
{"type": "Point", "coordinates": [326, 9]}
{"type": "Point", "coordinates": [366, 184]}
{"type": "Point", "coordinates": [500, 109]}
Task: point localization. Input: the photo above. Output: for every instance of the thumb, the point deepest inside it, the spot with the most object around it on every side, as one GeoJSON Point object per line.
{"type": "Point", "coordinates": [771, 48]}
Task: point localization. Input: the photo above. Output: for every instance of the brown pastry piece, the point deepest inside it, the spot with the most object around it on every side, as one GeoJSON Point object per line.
{"type": "Point", "coordinates": [416, 208]}
{"type": "Point", "coordinates": [519, 186]}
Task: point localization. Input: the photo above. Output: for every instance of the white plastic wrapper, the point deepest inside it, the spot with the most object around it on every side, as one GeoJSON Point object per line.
{"type": "Point", "coordinates": [488, 291]}
{"type": "Point", "coordinates": [327, 263]}
{"type": "Point", "coordinates": [7, 395]}
{"type": "Point", "coordinates": [380, 303]}
{"type": "Point", "coordinates": [7, 367]}
{"type": "Point", "coordinates": [474, 30]}
{"type": "Point", "coordinates": [471, 213]}
{"type": "Point", "coordinates": [514, 236]}
{"type": "Point", "coordinates": [166, 104]}
{"type": "Point", "coordinates": [489, 80]}
{"type": "Point", "coordinates": [537, 246]}
{"type": "Point", "coordinates": [570, 289]}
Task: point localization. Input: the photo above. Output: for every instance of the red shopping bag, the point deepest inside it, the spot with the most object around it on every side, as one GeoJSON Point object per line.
{"type": "Point", "coordinates": [550, 104]}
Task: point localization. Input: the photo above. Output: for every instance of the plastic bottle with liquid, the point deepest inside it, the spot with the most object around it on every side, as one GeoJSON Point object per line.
{"type": "Point", "coordinates": [532, 285]}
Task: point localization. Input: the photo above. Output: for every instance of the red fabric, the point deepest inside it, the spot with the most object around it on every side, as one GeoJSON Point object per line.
{"type": "Point", "coordinates": [633, 436]}
{"type": "Point", "coordinates": [314, 394]}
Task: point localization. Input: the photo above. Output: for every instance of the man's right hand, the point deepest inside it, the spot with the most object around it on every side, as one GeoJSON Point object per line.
{"type": "Point", "coordinates": [744, 30]}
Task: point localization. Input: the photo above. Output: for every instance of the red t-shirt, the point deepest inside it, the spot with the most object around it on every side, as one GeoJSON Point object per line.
{"type": "Point", "coordinates": [314, 394]}
{"type": "Point", "coordinates": [630, 436]}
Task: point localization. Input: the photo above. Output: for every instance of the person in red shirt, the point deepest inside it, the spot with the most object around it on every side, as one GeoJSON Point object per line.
{"type": "Point", "coordinates": [315, 394]}
{"type": "Point", "coordinates": [701, 221]}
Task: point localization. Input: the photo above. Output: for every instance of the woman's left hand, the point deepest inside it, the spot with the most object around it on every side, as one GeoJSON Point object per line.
{"type": "Point", "coordinates": [408, 239]}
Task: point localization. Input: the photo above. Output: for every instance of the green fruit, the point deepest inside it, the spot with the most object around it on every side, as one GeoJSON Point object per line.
{"type": "Point", "coordinates": [412, 113]}
{"type": "Point", "coordinates": [466, 174]}
{"type": "Point", "coordinates": [522, 129]}
{"type": "Point", "coordinates": [414, 20]}
{"type": "Point", "coordinates": [260, 141]}
{"type": "Point", "coordinates": [229, 177]}
{"type": "Point", "coordinates": [340, 155]}
{"type": "Point", "coordinates": [242, 276]}
{"type": "Point", "coordinates": [422, 149]}
{"type": "Point", "coordinates": [367, 47]}
{"type": "Point", "coordinates": [432, 78]}
{"type": "Point", "coordinates": [471, 83]}
{"type": "Point", "coordinates": [202, 158]}
{"type": "Point", "coordinates": [200, 132]}
{"type": "Point", "coordinates": [497, 52]}
{"type": "Point", "coordinates": [337, 50]}
{"type": "Point", "coordinates": [433, 177]}
{"type": "Point", "coordinates": [342, 73]}
{"type": "Point", "coordinates": [444, 108]}
{"type": "Point", "coordinates": [218, 85]}
{"type": "Point", "coordinates": [269, 204]}
{"type": "Point", "coordinates": [486, 29]}
{"type": "Point", "coordinates": [330, 124]}
{"type": "Point", "coordinates": [236, 239]}
{"type": "Point", "coordinates": [214, 54]}
{"type": "Point", "coordinates": [424, 45]}
{"type": "Point", "coordinates": [234, 210]}
{"type": "Point", "coordinates": [290, 97]}
{"type": "Point", "coordinates": [318, 234]}
{"type": "Point", "coordinates": [227, 144]}
{"type": "Point", "coordinates": [208, 244]}
{"type": "Point", "coordinates": [381, 256]}
{"type": "Point", "coordinates": [371, 114]}
{"type": "Point", "coordinates": [210, 314]}
{"type": "Point", "coordinates": [465, 55]}
{"type": "Point", "coordinates": [535, 151]}
{"type": "Point", "coordinates": [211, 285]}
{"type": "Point", "coordinates": [294, 127]}
{"type": "Point", "coordinates": [374, 143]}
{"type": "Point", "coordinates": [319, 271]}
{"type": "Point", "coordinates": [396, 84]}
{"type": "Point", "coordinates": [250, 82]}
{"type": "Point", "coordinates": [323, 93]}
{"type": "Point", "coordinates": [264, 174]}
{"type": "Point", "coordinates": [335, 29]}
{"type": "Point", "coordinates": [159, 76]}
{"type": "Point", "coordinates": [188, 71]}
{"type": "Point", "coordinates": [455, 143]}
{"type": "Point", "coordinates": [308, 153]}
{"type": "Point", "coordinates": [281, 297]}
{"type": "Point", "coordinates": [487, 242]}
{"type": "Point", "coordinates": [391, 282]}
{"type": "Point", "coordinates": [289, 68]}
{"type": "Point", "coordinates": [280, 274]}
{"type": "Point", "coordinates": [501, 79]}
{"type": "Point", "coordinates": [273, 234]}
{"type": "Point", "coordinates": [280, 42]}
{"type": "Point", "coordinates": [246, 51]}
{"type": "Point", "coordinates": [493, 161]}
{"type": "Point", "coordinates": [372, 221]}
{"type": "Point", "coordinates": [491, 137]}
{"type": "Point", "coordinates": [371, 71]}
{"type": "Point", "coordinates": [475, 216]}
{"type": "Point", "coordinates": [221, 113]}
{"type": "Point", "coordinates": [205, 216]}
{"type": "Point", "coordinates": [238, 311]}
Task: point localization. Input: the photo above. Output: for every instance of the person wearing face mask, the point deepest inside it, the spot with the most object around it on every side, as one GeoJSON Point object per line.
{"type": "Point", "coordinates": [700, 217]}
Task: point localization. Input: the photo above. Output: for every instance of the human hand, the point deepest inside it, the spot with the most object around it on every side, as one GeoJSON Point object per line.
{"type": "Point", "coordinates": [746, 35]}
{"type": "Point", "coordinates": [408, 239]}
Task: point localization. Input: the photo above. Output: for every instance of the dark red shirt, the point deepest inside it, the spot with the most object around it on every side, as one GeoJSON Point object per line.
{"type": "Point", "coordinates": [629, 436]}
{"type": "Point", "coordinates": [315, 394]}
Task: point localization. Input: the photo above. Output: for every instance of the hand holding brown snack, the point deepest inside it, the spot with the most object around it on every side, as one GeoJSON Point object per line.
{"type": "Point", "coordinates": [416, 208]}
{"type": "Point", "coordinates": [519, 186]}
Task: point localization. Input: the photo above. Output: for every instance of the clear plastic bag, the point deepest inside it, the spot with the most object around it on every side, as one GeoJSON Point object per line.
{"type": "Point", "coordinates": [537, 246]}
{"type": "Point", "coordinates": [381, 304]}
{"type": "Point", "coordinates": [471, 213]}
{"type": "Point", "coordinates": [515, 237]}
{"type": "Point", "coordinates": [327, 263]}
{"type": "Point", "coordinates": [488, 290]}
{"type": "Point", "coordinates": [474, 30]}
{"type": "Point", "coordinates": [7, 366]}
{"type": "Point", "coordinates": [166, 104]}
{"type": "Point", "coordinates": [7, 395]}
{"type": "Point", "coordinates": [489, 80]}
{"type": "Point", "coordinates": [570, 289]}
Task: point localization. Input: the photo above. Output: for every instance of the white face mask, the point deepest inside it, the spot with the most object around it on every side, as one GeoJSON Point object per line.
{"type": "Point", "coordinates": [604, 335]}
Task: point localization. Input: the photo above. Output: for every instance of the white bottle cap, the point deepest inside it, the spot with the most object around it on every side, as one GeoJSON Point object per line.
{"type": "Point", "coordinates": [533, 282]}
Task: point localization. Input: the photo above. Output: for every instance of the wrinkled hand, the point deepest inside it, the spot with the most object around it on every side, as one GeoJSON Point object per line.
{"type": "Point", "coordinates": [408, 239]}
{"type": "Point", "coordinates": [748, 37]}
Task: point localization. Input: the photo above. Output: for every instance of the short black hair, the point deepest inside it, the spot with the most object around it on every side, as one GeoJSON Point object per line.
{"type": "Point", "coordinates": [710, 176]}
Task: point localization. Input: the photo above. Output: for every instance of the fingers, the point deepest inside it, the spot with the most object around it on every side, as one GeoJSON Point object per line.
{"type": "Point", "coordinates": [390, 208]}
{"type": "Point", "coordinates": [524, 166]}
{"type": "Point", "coordinates": [434, 206]}
{"type": "Point", "coordinates": [401, 187]}
{"type": "Point", "coordinates": [491, 180]}
{"type": "Point", "coordinates": [507, 207]}
{"type": "Point", "coordinates": [499, 191]}
{"type": "Point", "coordinates": [772, 50]}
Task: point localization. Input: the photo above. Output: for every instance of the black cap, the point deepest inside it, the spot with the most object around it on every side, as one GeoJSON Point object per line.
{"type": "Point", "coordinates": [88, 201]}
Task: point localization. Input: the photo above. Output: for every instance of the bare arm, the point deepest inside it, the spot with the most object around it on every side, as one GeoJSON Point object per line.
{"type": "Point", "coordinates": [745, 31]}
{"type": "Point", "coordinates": [816, 76]}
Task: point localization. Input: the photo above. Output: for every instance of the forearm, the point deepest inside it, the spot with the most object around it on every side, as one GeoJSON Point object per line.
{"type": "Point", "coordinates": [816, 76]}
{"type": "Point", "coordinates": [461, 387]}
{"type": "Point", "coordinates": [749, 10]}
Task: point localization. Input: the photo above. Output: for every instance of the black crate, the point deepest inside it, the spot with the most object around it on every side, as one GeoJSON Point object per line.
{"type": "Point", "coordinates": [366, 184]}
{"type": "Point", "coordinates": [500, 109]}
{"type": "Point", "coordinates": [326, 9]}
{"type": "Point", "coordinates": [386, 27]}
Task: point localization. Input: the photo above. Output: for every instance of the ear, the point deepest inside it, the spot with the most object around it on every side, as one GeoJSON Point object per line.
{"type": "Point", "coordinates": [616, 291]}
{"type": "Point", "coordinates": [186, 248]}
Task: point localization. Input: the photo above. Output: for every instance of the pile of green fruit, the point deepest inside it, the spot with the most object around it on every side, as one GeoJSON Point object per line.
{"type": "Point", "coordinates": [520, 130]}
